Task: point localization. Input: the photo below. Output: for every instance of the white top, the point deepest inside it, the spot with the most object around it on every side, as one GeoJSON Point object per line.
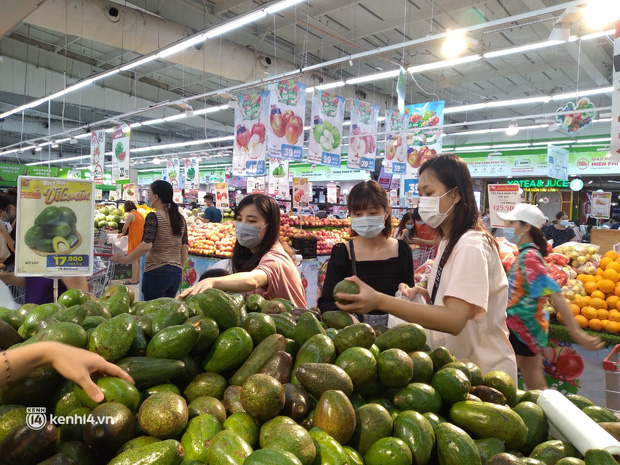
{"type": "Point", "coordinates": [474, 274]}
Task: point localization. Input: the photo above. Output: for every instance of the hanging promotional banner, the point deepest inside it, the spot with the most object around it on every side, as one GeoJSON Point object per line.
{"type": "Point", "coordinates": [615, 100]}
{"type": "Point", "coordinates": [557, 163]}
{"type": "Point", "coordinates": [98, 194]}
{"type": "Point", "coordinates": [502, 199]}
{"type": "Point", "coordinates": [332, 193]}
{"type": "Point", "coordinates": [173, 172]}
{"type": "Point", "coordinates": [409, 184]}
{"type": "Point", "coordinates": [50, 241]}
{"type": "Point", "coordinates": [130, 192]}
{"type": "Point", "coordinates": [384, 179]}
{"type": "Point", "coordinates": [325, 146]}
{"type": "Point", "coordinates": [120, 154]}
{"type": "Point", "coordinates": [177, 196]}
{"type": "Point", "coordinates": [255, 185]}
{"type": "Point", "coordinates": [601, 205]}
{"type": "Point", "coordinates": [192, 173]}
{"type": "Point", "coordinates": [287, 103]}
{"type": "Point", "coordinates": [301, 192]}
{"type": "Point", "coordinates": [580, 115]}
{"type": "Point", "coordinates": [395, 143]}
{"type": "Point", "coordinates": [423, 137]}
{"type": "Point", "coordinates": [250, 147]}
{"type": "Point", "coordinates": [97, 155]}
{"type": "Point", "coordinates": [278, 179]}
{"type": "Point", "coordinates": [112, 196]}
{"type": "Point", "coordinates": [221, 195]}
{"type": "Point", "coordinates": [400, 90]}
{"type": "Point", "coordinates": [362, 138]}
{"type": "Point", "coordinates": [394, 198]}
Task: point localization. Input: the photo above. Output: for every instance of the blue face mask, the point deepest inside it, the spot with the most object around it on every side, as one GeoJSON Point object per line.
{"type": "Point", "coordinates": [509, 234]}
{"type": "Point", "coordinates": [421, 223]}
{"type": "Point", "coordinates": [409, 226]}
{"type": "Point", "coordinates": [564, 223]}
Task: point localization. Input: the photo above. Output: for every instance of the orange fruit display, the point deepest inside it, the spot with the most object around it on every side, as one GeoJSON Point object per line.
{"type": "Point", "coordinates": [582, 321]}
{"type": "Point", "coordinates": [612, 327]}
{"type": "Point", "coordinates": [604, 262]}
{"type": "Point", "coordinates": [611, 254]}
{"type": "Point", "coordinates": [613, 266]}
{"type": "Point", "coordinates": [602, 314]}
{"type": "Point", "coordinates": [598, 295]}
{"type": "Point", "coordinates": [559, 317]}
{"type": "Point", "coordinates": [606, 286]}
{"type": "Point", "coordinates": [575, 309]}
{"type": "Point", "coordinates": [590, 287]}
{"type": "Point", "coordinates": [588, 279]}
{"type": "Point", "coordinates": [599, 303]}
{"type": "Point", "coordinates": [589, 312]}
{"type": "Point", "coordinates": [595, 323]}
{"type": "Point", "coordinates": [611, 274]}
{"type": "Point", "coordinates": [614, 315]}
{"type": "Point", "coordinates": [584, 301]}
{"type": "Point", "coordinates": [612, 301]}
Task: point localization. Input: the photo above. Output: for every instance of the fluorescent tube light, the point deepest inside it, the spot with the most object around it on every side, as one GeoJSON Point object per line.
{"type": "Point", "coordinates": [236, 24]}
{"type": "Point", "coordinates": [57, 160]}
{"type": "Point", "coordinates": [443, 64]}
{"type": "Point", "coordinates": [187, 43]}
{"type": "Point", "coordinates": [472, 147]}
{"type": "Point", "coordinates": [281, 6]}
{"type": "Point", "coordinates": [135, 64]}
{"type": "Point", "coordinates": [330, 85]}
{"type": "Point", "coordinates": [373, 77]}
{"type": "Point", "coordinates": [584, 93]}
{"type": "Point", "coordinates": [522, 48]}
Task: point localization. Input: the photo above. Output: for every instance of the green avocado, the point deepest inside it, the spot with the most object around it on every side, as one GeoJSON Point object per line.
{"type": "Point", "coordinates": [47, 216]}
{"type": "Point", "coordinates": [60, 229]}
{"type": "Point", "coordinates": [67, 215]}
{"type": "Point", "coordinates": [73, 240]}
{"type": "Point", "coordinates": [45, 245]}
{"type": "Point", "coordinates": [60, 244]}
{"type": "Point", "coordinates": [33, 235]}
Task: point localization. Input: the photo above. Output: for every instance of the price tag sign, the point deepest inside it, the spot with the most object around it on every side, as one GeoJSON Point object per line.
{"type": "Point", "coordinates": [399, 168]}
{"type": "Point", "coordinates": [367, 164]}
{"type": "Point", "coordinates": [502, 199]}
{"type": "Point", "coordinates": [54, 236]}
{"type": "Point", "coordinates": [330, 159]}
{"type": "Point", "coordinates": [292, 152]}
{"type": "Point", "coordinates": [63, 263]}
{"type": "Point", "coordinates": [255, 167]}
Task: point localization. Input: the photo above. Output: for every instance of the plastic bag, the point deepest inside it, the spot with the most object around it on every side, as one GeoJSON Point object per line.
{"type": "Point", "coordinates": [422, 273]}
{"type": "Point", "coordinates": [120, 243]}
{"type": "Point", "coordinates": [583, 257]}
{"type": "Point", "coordinates": [573, 288]}
{"type": "Point", "coordinates": [557, 259]}
{"type": "Point", "coordinates": [558, 274]}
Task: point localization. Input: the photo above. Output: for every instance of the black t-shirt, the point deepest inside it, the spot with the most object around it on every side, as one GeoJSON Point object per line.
{"type": "Point", "coordinates": [382, 275]}
{"type": "Point", "coordinates": [10, 260]}
{"type": "Point", "coordinates": [559, 236]}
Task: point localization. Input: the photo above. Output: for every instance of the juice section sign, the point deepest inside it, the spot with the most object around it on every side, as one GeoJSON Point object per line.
{"type": "Point", "coordinates": [51, 242]}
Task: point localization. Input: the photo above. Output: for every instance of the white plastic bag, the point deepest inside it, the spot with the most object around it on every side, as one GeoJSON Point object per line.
{"type": "Point", "coordinates": [120, 244]}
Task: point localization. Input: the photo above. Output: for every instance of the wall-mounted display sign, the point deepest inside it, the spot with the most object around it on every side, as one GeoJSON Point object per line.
{"type": "Point", "coordinates": [502, 199]}
{"type": "Point", "coordinates": [540, 185]}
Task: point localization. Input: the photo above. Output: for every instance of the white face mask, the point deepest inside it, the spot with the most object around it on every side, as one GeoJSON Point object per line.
{"type": "Point", "coordinates": [428, 208]}
{"type": "Point", "coordinates": [368, 226]}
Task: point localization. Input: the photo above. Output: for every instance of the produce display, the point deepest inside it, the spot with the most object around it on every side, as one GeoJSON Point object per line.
{"type": "Point", "coordinates": [222, 379]}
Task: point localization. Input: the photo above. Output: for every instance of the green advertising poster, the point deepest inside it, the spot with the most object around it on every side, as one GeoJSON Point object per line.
{"type": "Point", "coordinates": [9, 173]}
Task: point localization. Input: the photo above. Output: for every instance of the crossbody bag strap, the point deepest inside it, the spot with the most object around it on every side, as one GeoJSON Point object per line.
{"type": "Point", "coordinates": [353, 266]}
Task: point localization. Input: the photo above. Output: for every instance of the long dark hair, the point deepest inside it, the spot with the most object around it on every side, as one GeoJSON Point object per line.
{"type": "Point", "coordinates": [370, 194]}
{"type": "Point", "coordinates": [453, 173]}
{"type": "Point", "coordinates": [242, 258]}
{"type": "Point", "coordinates": [6, 199]}
{"type": "Point", "coordinates": [129, 206]}
{"type": "Point", "coordinates": [538, 239]}
{"type": "Point", "coordinates": [163, 190]}
{"type": "Point", "coordinates": [409, 216]}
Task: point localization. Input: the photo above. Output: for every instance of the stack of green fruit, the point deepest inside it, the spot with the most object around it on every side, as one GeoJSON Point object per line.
{"type": "Point", "coordinates": [220, 379]}
{"type": "Point", "coordinates": [54, 231]}
{"type": "Point", "coordinates": [106, 217]}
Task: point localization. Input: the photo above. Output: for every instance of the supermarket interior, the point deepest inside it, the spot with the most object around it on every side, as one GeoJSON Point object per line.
{"type": "Point", "coordinates": [190, 189]}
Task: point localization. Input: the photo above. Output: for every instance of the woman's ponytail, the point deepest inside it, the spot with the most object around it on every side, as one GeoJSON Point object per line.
{"type": "Point", "coordinates": [163, 190]}
{"type": "Point", "coordinates": [539, 240]}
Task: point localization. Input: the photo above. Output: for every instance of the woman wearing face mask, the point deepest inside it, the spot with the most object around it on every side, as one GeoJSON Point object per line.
{"type": "Point", "coordinates": [379, 260]}
{"type": "Point", "coordinates": [560, 232]}
{"type": "Point", "coordinates": [8, 213]}
{"type": "Point", "coordinates": [468, 289]}
{"type": "Point", "coordinates": [260, 263]}
{"type": "Point", "coordinates": [406, 228]}
{"type": "Point", "coordinates": [531, 287]}
{"type": "Point", "coordinates": [164, 241]}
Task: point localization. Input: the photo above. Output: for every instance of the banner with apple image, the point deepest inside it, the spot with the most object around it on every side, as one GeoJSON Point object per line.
{"type": "Point", "coordinates": [395, 143]}
{"type": "Point", "coordinates": [97, 154]}
{"type": "Point", "coordinates": [173, 171]}
{"type": "Point", "coordinates": [130, 192]}
{"type": "Point", "coordinates": [362, 139]}
{"type": "Point", "coordinates": [582, 114]}
{"type": "Point", "coordinates": [120, 155]}
{"type": "Point", "coordinates": [278, 179]}
{"type": "Point", "coordinates": [301, 192]}
{"type": "Point", "coordinates": [250, 147]}
{"type": "Point", "coordinates": [423, 137]}
{"type": "Point", "coordinates": [287, 103]}
{"type": "Point", "coordinates": [221, 195]}
{"type": "Point", "coordinates": [325, 145]}
{"type": "Point", "coordinates": [192, 173]}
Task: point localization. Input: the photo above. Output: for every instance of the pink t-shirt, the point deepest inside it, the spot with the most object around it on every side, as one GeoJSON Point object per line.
{"type": "Point", "coordinates": [283, 280]}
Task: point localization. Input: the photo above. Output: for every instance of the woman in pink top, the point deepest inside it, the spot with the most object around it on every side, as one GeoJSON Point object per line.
{"type": "Point", "coordinates": [261, 264]}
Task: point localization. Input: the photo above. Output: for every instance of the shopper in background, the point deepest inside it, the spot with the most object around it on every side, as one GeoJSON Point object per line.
{"type": "Point", "coordinates": [424, 236]}
{"type": "Point", "coordinates": [468, 288]}
{"type": "Point", "coordinates": [578, 232]}
{"type": "Point", "coordinates": [373, 255]}
{"type": "Point", "coordinates": [615, 223]}
{"type": "Point", "coordinates": [406, 228]}
{"type": "Point", "coordinates": [531, 287]}
{"type": "Point", "coordinates": [261, 263]}
{"type": "Point", "coordinates": [164, 241]}
{"type": "Point", "coordinates": [211, 214]}
{"type": "Point", "coordinates": [560, 232]}
{"type": "Point", "coordinates": [133, 229]}
{"type": "Point", "coordinates": [8, 214]}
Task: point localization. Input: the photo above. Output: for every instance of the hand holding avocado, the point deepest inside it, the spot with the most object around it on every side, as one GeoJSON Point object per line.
{"type": "Point", "coordinates": [366, 300]}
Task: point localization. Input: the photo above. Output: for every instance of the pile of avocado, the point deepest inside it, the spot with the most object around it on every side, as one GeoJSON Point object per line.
{"type": "Point", "coordinates": [222, 379]}
{"type": "Point", "coordinates": [54, 231]}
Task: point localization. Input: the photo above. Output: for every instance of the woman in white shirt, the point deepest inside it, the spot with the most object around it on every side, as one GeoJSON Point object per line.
{"type": "Point", "coordinates": [468, 288]}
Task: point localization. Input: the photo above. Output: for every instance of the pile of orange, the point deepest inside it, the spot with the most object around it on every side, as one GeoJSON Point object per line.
{"type": "Point", "coordinates": [600, 309]}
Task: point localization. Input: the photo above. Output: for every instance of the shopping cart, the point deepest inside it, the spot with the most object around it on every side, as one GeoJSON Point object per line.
{"type": "Point", "coordinates": [103, 272]}
{"type": "Point", "coordinates": [422, 254]}
{"type": "Point", "coordinates": [19, 294]}
{"type": "Point", "coordinates": [611, 365]}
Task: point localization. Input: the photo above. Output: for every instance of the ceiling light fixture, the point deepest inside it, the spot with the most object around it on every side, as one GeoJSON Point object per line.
{"type": "Point", "coordinates": [330, 85]}
{"type": "Point", "coordinates": [373, 77]}
{"type": "Point", "coordinates": [599, 13]}
{"type": "Point", "coordinates": [454, 44]}
{"type": "Point", "coordinates": [513, 129]}
{"type": "Point", "coordinates": [522, 48]}
{"type": "Point", "coordinates": [443, 64]}
{"type": "Point", "coordinates": [281, 6]}
{"type": "Point", "coordinates": [156, 160]}
{"type": "Point", "coordinates": [58, 160]}
{"type": "Point", "coordinates": [584, 93]}
{"type": "Point", "coordinates": [236, 24]}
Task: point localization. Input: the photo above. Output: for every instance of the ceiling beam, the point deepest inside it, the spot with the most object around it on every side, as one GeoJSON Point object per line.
{"type": "Point", "coordinates": [13, 14]}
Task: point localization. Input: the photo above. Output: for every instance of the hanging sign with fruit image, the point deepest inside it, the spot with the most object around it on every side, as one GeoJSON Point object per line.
{"type": "Point", "coordinates": [326, 130]}
{"type": "Point", "coordinates": [362, 138]}
{"type": "Point", "coordinates": [97, 150]}
{"type": "Point", "coordinates": [301, 192]}
{"type": "Point", "coordinates": [287, 109]}
{"type": "Point", "coordinates": [192, 172]}
{"type": "Point", "coordinates": [395, 143]}
{"type": "Point", "coordinates": [580, 115]}
{"type": "Point", "coordinates": [424, 122]}
{"type": "Point", "coordinates": [278, 178]}
{"type": "Point", "coordinates": [120, 155]}
{"type": "Point", "coordinates": [172, 172]}
{"type": "Point", "coordinates": [130, 192]}
{"type": "Point", "coordinates": [221, 195]}
{"type": "Point", "coordinates": [250, 147]}
{"type": "Point", "coordinates": [51, 242]}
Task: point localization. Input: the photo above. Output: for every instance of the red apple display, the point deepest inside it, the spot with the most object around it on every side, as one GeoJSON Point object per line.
{"type": "Point", "coordinates": [278, 125]}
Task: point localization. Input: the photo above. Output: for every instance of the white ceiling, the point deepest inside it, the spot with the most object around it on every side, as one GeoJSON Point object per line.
{"type": "Point", "coordinates": [47, 43]}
